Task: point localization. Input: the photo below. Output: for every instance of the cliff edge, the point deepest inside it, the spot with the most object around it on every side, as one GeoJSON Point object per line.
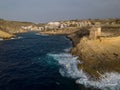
{"type": "Point", "coordinates": [5, 35]}
{"type": "Point", "coordinates": [9, 29]}
{"type": "Point", "coordinates": [98, 56]}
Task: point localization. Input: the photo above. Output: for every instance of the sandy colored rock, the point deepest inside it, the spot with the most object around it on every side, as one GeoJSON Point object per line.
{"type": "Point", "coordinates": [61, 31]}
{"type": "Point", "coordinates": [5, 35]}
{"type": "Point", "coordinates": [98, 56]}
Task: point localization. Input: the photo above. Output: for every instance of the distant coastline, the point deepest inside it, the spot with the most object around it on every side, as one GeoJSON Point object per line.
{"type": "Point", "coordinates": [9, 29]}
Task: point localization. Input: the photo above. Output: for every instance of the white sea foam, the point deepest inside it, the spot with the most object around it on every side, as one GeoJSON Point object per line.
{"type": "Point", "coordinates": [19, 37]}
{"type": "Point", "coordinates": [37, 34]}
{"type": "Point", "coordinates": [67, 49]}
{"type": "Point", "coordinates": [13, 38]}
{"type": "Point", "coordinates": [1, 39]}
{"type": "Point", "coordinates": [109, 81]}
{"type": "Point", "coordinates": [42, 34]}
{"type": "Point", "coordinates": [16, 38]}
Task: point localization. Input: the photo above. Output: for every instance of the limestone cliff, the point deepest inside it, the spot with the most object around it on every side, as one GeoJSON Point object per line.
{"type": "Point", "coordinates": [98, 49]}
{"type": "Point", "coordinates": [98, 56]}
{"type": "Point", "coordinates": [64, 31]}
{"type": "Point", "coordinates": [5, 35]}
{"type": "Point", "coordinates": [8, 29]}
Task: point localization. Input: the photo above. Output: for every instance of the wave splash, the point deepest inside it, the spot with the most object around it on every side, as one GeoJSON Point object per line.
{"type": "Point", "coordinates": [16, 38]}
{"type": "Point", "coordinates": [68, 63]}
{"type": "Point", "coordinates": [42, 34]}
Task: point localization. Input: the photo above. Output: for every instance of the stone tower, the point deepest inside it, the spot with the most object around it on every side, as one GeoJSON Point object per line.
{"type": "Point", "coordinates": [95, 32]}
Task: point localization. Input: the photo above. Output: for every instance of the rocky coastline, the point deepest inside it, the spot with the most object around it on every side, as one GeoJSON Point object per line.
{"type": "Point", "coordinates": [10, 29]}
{"type": "Point", "coordinates": [97, 49]}
{"type": "Point", "coordinates": [5, 35]}
{"type": "Point", "coordinates": [98, 56]}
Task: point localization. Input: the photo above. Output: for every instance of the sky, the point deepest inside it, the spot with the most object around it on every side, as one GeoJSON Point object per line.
{"type": "Point", "coordinates": [56, 10]}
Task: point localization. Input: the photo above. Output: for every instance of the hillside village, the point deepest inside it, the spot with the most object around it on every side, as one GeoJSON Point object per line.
{"type": "Point", "coordinates": [96, 27]}
{"type": "Point", "coordinates": [58, 25]}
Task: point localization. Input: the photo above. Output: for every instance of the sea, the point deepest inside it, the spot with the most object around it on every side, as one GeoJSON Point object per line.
{"type": "Point", "coordinates": [35, 61]}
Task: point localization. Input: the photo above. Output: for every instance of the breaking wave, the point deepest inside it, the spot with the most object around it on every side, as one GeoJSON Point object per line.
{"type": "Point", "coordinates": [16, 38]}
{"type": "Point", "coordinates": [42, 34]}
{"type": "Point", "coordinates": [1, 39]}
{"type": "Point", "coordinates": [67, 50]}
{"type": "Point", "coordinates": [68, 63]}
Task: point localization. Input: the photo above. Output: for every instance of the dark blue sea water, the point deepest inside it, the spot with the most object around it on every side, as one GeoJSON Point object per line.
{"type": "Point", "coordinates": [41, 62]}
{"type": "Point", "coordinates": [26, 63]}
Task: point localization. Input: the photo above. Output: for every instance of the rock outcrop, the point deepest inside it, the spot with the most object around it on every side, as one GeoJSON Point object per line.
{"type": "Point", "coordinates": [65, 31]}
{"type": "Point", "coordinates": [5, 35]}
{"type": "Point", "coordinates": [99, 55]}
{"type": "Point", "coordinates": [8, 29]}
{"type": "Point", "coordinates": [98, 48]}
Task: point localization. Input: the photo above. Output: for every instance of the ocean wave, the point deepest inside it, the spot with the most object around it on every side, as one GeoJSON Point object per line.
{"type": "Point", "coordinates": [1, 39]}
{"type": "Point", "coordinates": [19, 37]}
{"type": "Point", "coordinates": [37, 34]}
{"type": "Point", "coordinates": [42, 34]}
{"type": "Point", "coordinates": [110, 81]}
{"type": "Point", "coordinates": [67, 49]}
{"type": "Point", "coordinates": [68, 63]}
{"type": "Point", "coordinates": [16, 38]}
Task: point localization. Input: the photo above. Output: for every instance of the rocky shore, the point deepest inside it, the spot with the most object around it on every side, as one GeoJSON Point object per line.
{"type": "Point", "coordinates": [97, 56]}
{"type": "Point", "coordinates": [5, 35]}
{"type": "Point", "coordinates": [9, 29]}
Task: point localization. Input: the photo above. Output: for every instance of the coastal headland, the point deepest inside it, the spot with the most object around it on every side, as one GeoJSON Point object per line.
{"type": "Point", "coordinates": [97, 46]}
{"type": "Point", "coordinates": [98, 56]}
{"type": "Point", "coordinates": [9, 29]}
